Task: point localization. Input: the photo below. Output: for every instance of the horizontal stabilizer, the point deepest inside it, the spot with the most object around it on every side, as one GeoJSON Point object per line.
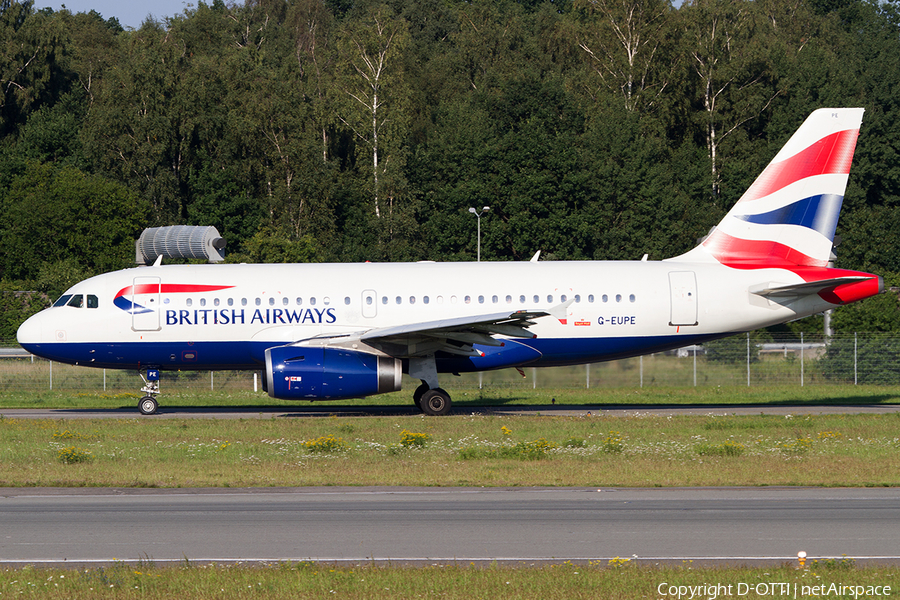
{"type": "Point", "coordinates": [774, 290]}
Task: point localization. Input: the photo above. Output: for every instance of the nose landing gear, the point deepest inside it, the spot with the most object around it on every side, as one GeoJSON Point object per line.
{"type": "Point", "coordinates": [148, 404]}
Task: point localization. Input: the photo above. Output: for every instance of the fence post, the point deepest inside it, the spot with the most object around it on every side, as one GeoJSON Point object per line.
{"type": "Point", "coordinates": [642, 369]}
{"type": "Point", "coordinates": [51, 375]}
{"type": "Point", "coordinates": [748, 359]}
{"type": "Point", "coordinates": [695, 365]}
{"type": "Point", "coordinates": [587, 376]}
{"type": "Point", "coordinates": [854, 359]}
{"type": "Point", "coordinates": [211, 387]}
{"type": "Point", "coordinates": [801, 359]}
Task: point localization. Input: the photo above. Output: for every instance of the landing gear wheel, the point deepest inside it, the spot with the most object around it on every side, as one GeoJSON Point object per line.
{"type": "Point", "coordinates": [148, 405]}
{"type": "Point", "coordinates": [417, 395]}
{"type": "Point", "coordinates": [435, 402]}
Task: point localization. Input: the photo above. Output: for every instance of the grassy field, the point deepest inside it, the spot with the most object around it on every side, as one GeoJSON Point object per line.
{"type": "Point", "coordinates": [609, 580]}
{"type": "Point", "coordinates": [461, 450]}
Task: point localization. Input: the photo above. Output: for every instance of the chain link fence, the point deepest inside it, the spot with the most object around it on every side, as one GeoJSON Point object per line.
{"type": "Point", "coordinates": [752, 359]}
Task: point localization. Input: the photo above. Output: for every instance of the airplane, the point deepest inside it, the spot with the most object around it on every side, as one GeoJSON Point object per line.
{"type": "Point", "coordinates": [331, 331]}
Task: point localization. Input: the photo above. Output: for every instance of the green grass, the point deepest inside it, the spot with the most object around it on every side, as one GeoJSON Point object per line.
{"type": "Point", "coordinates": [460, 450]}
{"type": "Point", "coordinates": [609, 579]}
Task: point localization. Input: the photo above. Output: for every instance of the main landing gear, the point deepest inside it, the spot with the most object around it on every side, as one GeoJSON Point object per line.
{"type": "Point", "coordinates": [432, 401]}
{"type": "Point", "coordinates": [148, 404]}
{"type": "Point", "coordinates": [430, 398]}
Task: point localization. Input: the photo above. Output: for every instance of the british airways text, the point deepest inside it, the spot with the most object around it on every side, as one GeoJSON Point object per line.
{"type": "Point", "coordinates": [270, 316]}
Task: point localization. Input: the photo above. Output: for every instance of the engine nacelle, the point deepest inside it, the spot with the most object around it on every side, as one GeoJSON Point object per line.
{"type": "Point", "coordinates": [309, 372]}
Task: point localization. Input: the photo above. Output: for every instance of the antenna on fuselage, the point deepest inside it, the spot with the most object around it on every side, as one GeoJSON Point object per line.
{"type": "Point", "coordinates": [179, 241]}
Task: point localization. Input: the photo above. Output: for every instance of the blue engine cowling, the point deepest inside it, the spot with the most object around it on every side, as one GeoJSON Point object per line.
{"type": "Point", "coordinates": [309, 372]}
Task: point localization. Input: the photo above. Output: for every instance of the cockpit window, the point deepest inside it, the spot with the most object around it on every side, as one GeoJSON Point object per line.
{"type": "Point", "coordinates": [92, 301]}
{"type": "Point", "coordinates": [77, 301]}
{"type": "Point", "coordinates": [63, 300]}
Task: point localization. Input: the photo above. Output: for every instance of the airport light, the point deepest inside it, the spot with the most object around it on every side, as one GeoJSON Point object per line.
{"type": "Point", "coordinates": [478, 215]}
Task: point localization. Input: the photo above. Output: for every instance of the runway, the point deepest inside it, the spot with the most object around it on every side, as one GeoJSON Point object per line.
{"type": "Point", "coordinates": [462, 525]}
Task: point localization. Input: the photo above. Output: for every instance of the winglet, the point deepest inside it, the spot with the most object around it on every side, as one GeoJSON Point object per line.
{"type": "Point", "coordinates": [561, 311]}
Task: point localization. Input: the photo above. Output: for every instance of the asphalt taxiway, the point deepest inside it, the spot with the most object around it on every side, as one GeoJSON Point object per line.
{"type": "Point", "coordinates": [360, 525]}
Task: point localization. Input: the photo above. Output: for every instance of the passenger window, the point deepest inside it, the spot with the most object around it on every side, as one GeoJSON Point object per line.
{"type": "Point", "coordinates": [618, 297]}
{"type": "Point", "coordinates": [605, 298]}
{"type": "Point", "coordinates": [577, 298]}
{"type": "Point", "coordinates": [536, 299]}
{"type": "Point", "coordinates": [562, 298]}
{"type": "Point", "coordinates": [399, 300]}
{"type": "Point", "coordinates": [494, 299]}
{"type": "Point", "coordinates": [93, 302]}
{"type": "Point", "coordinates": [384, 300]}
{"type": "Point", "coordinates": [631, 298]}
{"type": "Point", "coordinates": [326, 300]}
{"type": "Point", "coordinates": [258, 302]}
{"type": "Point", "coordinates": [271, 300]}
{"type": "Point", "coordinates": [299, 301]}
{"type": "Point", "coordinates": [550, 298]}
{"type": "Point", "coordinates": [312, 301]}
{"type": "Point", "coordinates": [590, 298]}
{"type": "Point", "coordinates": [412, 299]}
{"type": "Point", "coordinates": [216, 302]}
{"type": "Point", "coordinates": [202, 301]}
{"type": "Point", "coordinates": [285, 300]}
{"type": "Point", "coordinates": [522, 299]}
{"type": "Point", "coordinates": [480, 299]}
{"type": "Point", "coordinates": [468, 300]}
{"type": "Point", "coordinates": [243, 302]}
{"type": "Point", "coordinates": [231, 302]}
{"type": "Point", "coordinates": [425, 299]}
{"type": "Point", "coordinates": [189, 302]}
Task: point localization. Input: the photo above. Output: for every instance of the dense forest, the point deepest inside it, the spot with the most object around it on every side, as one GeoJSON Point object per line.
{"type": "Point", "coordinates": [354, 130]}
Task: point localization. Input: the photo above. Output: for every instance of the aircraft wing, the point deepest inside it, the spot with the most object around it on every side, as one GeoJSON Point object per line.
{"type": "Point", "coordinates": [454, 336]}
{"type": "Point", "coordinates": [802, 289]}
{"type": "Point", "coordinates": [457, 335]}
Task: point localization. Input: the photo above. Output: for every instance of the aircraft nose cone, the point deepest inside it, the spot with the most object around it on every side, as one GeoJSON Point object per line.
{"type": "Point", "coordinates": [29, 332]}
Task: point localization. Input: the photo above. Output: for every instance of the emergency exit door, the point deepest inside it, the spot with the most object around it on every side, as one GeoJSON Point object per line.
{"type": "Point", "coordinates": [683, 294]}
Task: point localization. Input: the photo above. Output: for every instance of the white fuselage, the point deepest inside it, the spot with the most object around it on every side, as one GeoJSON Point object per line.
{"type": "Point", "coordinates": [225, 316]}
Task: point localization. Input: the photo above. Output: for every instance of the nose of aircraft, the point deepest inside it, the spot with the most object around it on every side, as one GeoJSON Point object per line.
{"type": "Point", "coordinates": [30, 331]}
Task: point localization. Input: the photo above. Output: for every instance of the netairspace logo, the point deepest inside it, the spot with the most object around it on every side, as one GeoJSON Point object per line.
{"type": "Point", "coordinates": [711, 591]}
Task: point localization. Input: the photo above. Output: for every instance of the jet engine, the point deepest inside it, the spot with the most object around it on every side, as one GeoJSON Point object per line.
{"type": "Point", "coordinates": [300, 372]}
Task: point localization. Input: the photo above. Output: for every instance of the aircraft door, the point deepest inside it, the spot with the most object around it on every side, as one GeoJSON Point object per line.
{"type": "Point", "coordinates": [683, 293]}
{"type": "Point", "coordinates": [145, 304]}
{"type": "Point", "coordinates": [369, 303]}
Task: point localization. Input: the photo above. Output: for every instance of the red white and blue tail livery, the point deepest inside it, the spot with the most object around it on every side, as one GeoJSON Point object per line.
{"type": "Point", "coordinates": [789, 214]}
{"type": "Point", "coordinates": [319, 331]}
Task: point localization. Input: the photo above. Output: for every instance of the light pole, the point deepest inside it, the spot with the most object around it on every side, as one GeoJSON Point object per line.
{"type": "Point", "coordinates": [478, 215]}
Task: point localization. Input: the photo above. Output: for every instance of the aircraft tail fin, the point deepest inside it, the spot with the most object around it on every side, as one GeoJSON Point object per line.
{"type": "Point", "coordinates": [788, 216]}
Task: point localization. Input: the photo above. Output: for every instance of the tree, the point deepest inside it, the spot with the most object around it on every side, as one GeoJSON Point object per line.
{"type": "Point", "coordinates": [371, 53]}
{"type": "Point", "coordinates": [62, 213]}
{"type": "Point", "coordinates": [727, 50]}
{"type": "Point", "coordinates": [626, 42]}
{"type": "Point", "coordinates": [32, 73]}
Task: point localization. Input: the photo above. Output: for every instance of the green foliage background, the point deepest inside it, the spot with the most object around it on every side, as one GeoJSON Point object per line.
{"type": "Point", "coordinates": [352, 130]}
